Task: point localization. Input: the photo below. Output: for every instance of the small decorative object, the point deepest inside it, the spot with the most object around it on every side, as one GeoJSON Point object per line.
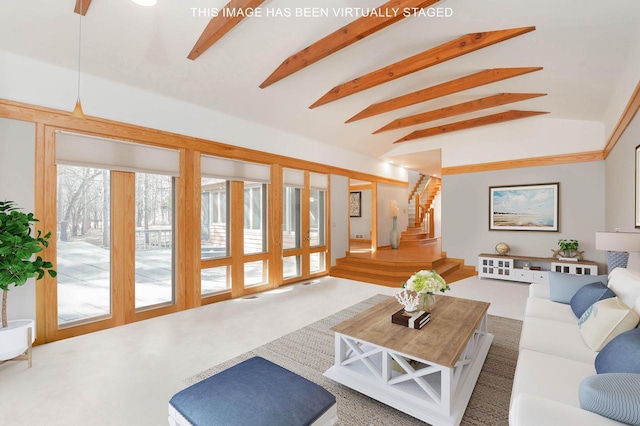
{"type": "Point", "coordinates": [568, 250]}
{"type": "Point", "coordinates": [409, 300]}
{"type": "Point", "coordinates": [395, 234]}
{"type": "Point", "coordinates": [425, 284]}
{"type": "Point", "coordinates": [502, 248]}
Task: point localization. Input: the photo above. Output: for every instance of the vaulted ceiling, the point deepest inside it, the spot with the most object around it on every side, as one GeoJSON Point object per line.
{"type": "Point", "coordinates": [360, 82]}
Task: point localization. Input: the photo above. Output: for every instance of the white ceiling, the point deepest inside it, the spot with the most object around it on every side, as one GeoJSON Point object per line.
{"type": "Point", "coordinates": [582, 44]}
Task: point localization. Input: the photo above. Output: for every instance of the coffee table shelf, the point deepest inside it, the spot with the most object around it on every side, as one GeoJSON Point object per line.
{"type": "Point", "coordinates": [437, 393]}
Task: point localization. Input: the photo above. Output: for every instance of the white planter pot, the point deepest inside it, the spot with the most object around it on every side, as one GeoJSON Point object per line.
{"type": "Point", "coordinates": [13, 338]}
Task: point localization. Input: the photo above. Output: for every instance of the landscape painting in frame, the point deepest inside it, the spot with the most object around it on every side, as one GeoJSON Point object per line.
{"type": "Point", "coordinates": [524, 208]}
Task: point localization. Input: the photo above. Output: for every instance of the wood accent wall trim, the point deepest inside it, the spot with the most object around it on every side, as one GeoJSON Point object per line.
{"type": "Point", "coordinates": [486, 120]}
{"type": "Point", "coordinates": [458, 109]}
{"type": "Point", "coordinates": [43, 225]}
{"type": "Point", "coordinates": [525, 162]}
{"type": "Point", "coordinates": [453, 86]}
{"type": "Point", "coordinates": [82, 6]}
{"type": "Point", "coordinates": [343, 37]}
{"type": "Point", "coordinates": [130, 132]}
{"type": "Point", "coordinates": [274, 232]}
{"type": "Point", "coordinates": [188, 188]}
{"type": "Point", "coordinates": [221, 24]}
{"type": "Point", "coordinates": [625, 119]}
{"type": "Point", "coordinates": [450, 50]}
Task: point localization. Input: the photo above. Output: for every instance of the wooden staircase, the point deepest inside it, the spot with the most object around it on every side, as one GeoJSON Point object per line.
{"type": "Point", "coordinates": [392, 273]}
{"type": "Point", "coordinates": [415, 236]}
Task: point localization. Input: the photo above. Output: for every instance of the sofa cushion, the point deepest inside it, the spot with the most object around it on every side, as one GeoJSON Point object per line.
{"type": "Point", "coordinates": [588, 295]}
{"type": "Point", "coordinates": [615, 396]}
{"type": "Point", "coordinates": [625, 283]}
{"type": "Point", "coordinates": [557, 338]}
{"type": "Point", "coordinates": [545, 308]}
{"type": "Point", "coordinates": [551, 377]}
{"type": "Point", "coordinates": [562, 287]}
{"type": "Point", "coordinates": [620, 355]}
{"type": "Point", "coordinates": [533, 410]}
{"type": "Point", "coordinates": [604, 320]}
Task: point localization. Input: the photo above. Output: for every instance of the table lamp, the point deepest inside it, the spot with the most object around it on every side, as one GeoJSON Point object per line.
{"type": "Point", "coordinates": [618, 245]}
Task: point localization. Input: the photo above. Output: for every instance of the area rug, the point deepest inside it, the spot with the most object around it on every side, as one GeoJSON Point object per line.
{"type": "Point", "coordinates": [309, 353]}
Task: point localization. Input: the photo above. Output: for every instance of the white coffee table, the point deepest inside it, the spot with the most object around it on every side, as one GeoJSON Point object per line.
{"type": "Point", "coordinates": [439, 364]}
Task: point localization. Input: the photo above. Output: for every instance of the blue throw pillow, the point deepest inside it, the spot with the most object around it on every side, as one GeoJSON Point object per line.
{"type": "Point", "coordinates": [588, 295]}
{"type": "Point", "coordinates": [615, 395]}
{"type": "Point", "coordinates": [562, 287]}
{"type": "Point", "coordinates": [620, 355]}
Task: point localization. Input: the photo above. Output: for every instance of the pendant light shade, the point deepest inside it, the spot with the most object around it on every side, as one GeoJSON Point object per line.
{"type": "Point", "coordinates": [77, 111]}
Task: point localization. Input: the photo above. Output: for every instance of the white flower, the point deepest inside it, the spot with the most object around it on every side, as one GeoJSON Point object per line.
{"type": "Point", "coordinates": [426, 282]}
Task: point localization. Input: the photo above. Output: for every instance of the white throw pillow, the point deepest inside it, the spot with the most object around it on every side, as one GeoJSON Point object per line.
{"type": "Point", "coordinates": [604, 320]}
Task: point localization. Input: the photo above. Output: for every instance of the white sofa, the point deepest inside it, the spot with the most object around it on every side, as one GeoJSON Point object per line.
{"type": "Point", "coordinates": [553, 358]}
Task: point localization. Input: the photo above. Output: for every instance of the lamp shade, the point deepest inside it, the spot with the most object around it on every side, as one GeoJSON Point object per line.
{"type": "Point", "coordinates": [618, 241]}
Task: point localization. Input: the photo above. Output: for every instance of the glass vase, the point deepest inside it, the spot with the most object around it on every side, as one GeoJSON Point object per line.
{"type": "Point", "coordinates": [428, 301]}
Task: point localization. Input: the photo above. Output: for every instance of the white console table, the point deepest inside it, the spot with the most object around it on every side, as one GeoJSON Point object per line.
{"type": "Point", "coordinates": [518, 268]}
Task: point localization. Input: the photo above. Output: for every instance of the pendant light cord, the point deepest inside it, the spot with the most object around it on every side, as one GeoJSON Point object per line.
{"type": "Point", "coordinates": [79, 45]}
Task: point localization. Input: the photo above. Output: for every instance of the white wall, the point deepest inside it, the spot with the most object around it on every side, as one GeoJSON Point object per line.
{"type": "Point", "coordinates": [17, 150]}
{"type": "Point", "coordinates": [27, 80]}
{"type": "Point", "coordinates": [620, 188]}
{"type": "Point", "coordinates": [465, 211]}
{"type": "Point", "coordinates": [533, 137]}
{"type": "Point", "coordinates": [339, 217]}
{"type": "Point", "coordinates": [362, 225]}
{"type": "Point", "coordinates": [386, 193]}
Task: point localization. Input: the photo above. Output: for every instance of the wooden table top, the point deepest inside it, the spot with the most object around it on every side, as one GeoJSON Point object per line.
{"type": "Point", "coordinates": [441, 341]}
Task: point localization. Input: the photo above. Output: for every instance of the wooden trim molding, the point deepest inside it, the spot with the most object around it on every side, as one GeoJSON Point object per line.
{"type": "Point", "coordinates": [453, 86]}
{"type": "Point", "coordinates": [525, 162]}
{"type": "Point", "coordinates": [486, 120]}
{"type": "Point", "coordinates": [345, 36]}
{"type": "Point", "coordinates": [625, 119]}
{"type": "Point", "coordinates": [221, 24]}
{"type": "Point", "coordinates": [134, 133]}
{"type": "Point", "coordinates": [82, 6]}
{"type": "Point", "coordinates": [458, 109]}
{"type": "Point", "coordinates": [450, 50]}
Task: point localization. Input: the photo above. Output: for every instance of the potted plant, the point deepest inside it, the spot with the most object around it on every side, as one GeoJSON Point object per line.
{"type": "Point", "coordinates": [17, 265]}
{"type": "Point", "coordinates": [568, 249]}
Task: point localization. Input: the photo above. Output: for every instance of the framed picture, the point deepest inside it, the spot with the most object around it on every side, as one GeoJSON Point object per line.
{"type": "Point", "coordinates": [638, 186]}
{"type": "Point", "coordinates": [355, 209]}
{"type": "Point", "coordinates": [524, 207]}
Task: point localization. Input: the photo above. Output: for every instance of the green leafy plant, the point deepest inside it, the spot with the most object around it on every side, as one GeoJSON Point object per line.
{"type": "Point", "coordinates": [568, 245]}
{"type": "Point", "coordinates": [17, 250]}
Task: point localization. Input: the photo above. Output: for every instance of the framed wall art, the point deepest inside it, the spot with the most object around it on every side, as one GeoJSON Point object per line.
{"type": "Point", "coordinates": [355, 207]}
{"type": "Point", "coordinates": [524, 207]}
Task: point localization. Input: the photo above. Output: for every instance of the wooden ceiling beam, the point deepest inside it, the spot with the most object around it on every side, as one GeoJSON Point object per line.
{"type": "Point", "coordinates": [225, 21]}
{"type": "Point", "coordinates": [442, 53]}
{"type": "Point", "coordinates": [82, 6]}
{"type": "Point", "coordinates": [469, 124]}
{"type": "Point", "coordinates": [389, 13]}
{"type": "Point", "coordinates": [463, 108]}
{"type": "Point", "coordinates": [458, 85]}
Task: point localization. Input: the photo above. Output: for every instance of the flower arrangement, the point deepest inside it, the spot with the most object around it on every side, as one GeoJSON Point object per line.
{"type": "Point", "coordinates": [426, 282]}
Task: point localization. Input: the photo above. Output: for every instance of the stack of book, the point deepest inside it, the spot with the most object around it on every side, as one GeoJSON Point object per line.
{"type": "Point", "coordinates": [415, 320]}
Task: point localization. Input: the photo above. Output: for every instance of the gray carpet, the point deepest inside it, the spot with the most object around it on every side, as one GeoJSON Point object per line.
{"type": "Point", "coordinates": [309, 353]}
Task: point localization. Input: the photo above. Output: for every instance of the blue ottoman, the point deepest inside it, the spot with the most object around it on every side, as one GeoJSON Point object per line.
{"type": "Point", "coordinates": [252, 393]}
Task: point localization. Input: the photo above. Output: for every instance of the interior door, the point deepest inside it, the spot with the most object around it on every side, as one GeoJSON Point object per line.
{"type": "Point", "coordinates": [304, 229]}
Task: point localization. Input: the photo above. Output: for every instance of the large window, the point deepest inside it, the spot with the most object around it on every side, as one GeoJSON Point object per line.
{"type": "Point", "coordinates": [115, 215]}
{"type": "Point", "coordinates": [214, 232]}
{"type": "Point", "coordinates": [84, 244]}
{"type": "Point", "coordinates": [255, 217]}
{"type": "Point", "coordinates": [154, 230]}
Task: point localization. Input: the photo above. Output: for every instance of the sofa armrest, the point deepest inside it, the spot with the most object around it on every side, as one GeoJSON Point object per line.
{"type": "Point", "coordinates": [531, 410]}
{"type": "Point", "coordinates": [539, 290]}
